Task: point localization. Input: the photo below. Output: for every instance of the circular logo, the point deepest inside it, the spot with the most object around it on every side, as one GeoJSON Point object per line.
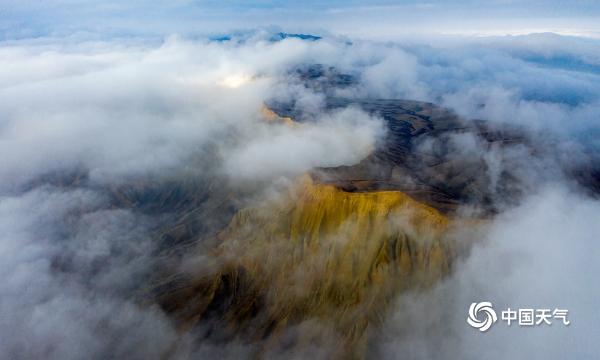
{"type": "Point", "coordinates": [481, 316]}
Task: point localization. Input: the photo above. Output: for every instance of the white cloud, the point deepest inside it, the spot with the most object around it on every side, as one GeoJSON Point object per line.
{"type": "Point", "coordinates": [342, 138]}
{"type": "Point", "coordinates": [541, 254]}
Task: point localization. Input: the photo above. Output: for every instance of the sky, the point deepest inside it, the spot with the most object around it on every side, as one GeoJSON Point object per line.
{"type": "Point", "coordinates": [356, 18]}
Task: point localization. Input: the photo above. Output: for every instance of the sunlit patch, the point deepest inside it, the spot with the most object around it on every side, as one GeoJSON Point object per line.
{"type": "Point", "coordinates": [235, 80]}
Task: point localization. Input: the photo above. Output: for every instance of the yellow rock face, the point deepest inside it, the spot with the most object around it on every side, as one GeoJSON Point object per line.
{"type": "Point", "coordinates": [271, 117]}
{"type": "Point", "coordinates": [324, 257]}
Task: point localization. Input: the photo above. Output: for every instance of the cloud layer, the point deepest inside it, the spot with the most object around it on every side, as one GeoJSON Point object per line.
{"type": "Point", "coordinates": [134, 110]}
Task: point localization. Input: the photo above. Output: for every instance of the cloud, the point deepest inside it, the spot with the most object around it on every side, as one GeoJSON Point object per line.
{"type": "Point", "coordinates": [342, 138]}
{"type": "Point", "coordinates": [538, 255]}
{"type": "Point", "coordinates": [543, 82]}
{"type": "Point", "coordinates": [128, 111]}
{"type": "Point", "coordinates": [65, 266]}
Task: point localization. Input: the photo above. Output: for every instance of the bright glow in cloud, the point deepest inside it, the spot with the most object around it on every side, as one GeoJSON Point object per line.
{"type": "Point", "coordinates": [235, 80]}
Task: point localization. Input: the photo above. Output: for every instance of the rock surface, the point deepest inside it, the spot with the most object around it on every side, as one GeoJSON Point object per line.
{"type": "Point", "coordinates": [319, 254]}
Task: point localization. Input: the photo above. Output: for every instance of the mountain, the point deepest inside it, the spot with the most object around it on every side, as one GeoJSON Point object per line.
{"type": "Point", "coordinates": [269, 35]}
{"type": "Point", "coordinates": [321, 255]}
